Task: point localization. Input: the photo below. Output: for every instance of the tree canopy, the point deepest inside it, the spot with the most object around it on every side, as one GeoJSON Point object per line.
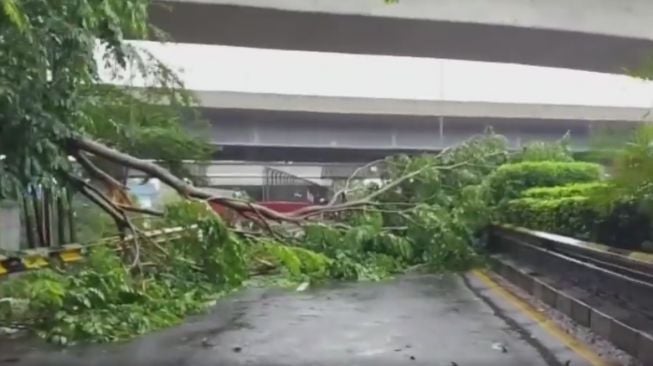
{"type": "Point", "coordinates": [51, 90]}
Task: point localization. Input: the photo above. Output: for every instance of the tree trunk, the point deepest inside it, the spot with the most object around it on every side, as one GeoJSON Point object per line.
{"type": "Point", "coordinates": [47, 215]}
{"type": "Point", "coordinates": [61, 217]}
{"type": "Point", "coordinates": [72, 235]}
{"type": "Point", "coordinates": [38, 216]}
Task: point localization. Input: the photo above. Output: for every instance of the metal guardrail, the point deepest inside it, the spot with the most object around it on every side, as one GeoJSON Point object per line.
{"type": "Point", "coordinates": [34, 259]}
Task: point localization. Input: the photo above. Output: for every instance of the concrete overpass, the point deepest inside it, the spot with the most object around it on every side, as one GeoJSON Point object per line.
{"type": "Point", "coordinates": [265, 127]}
{"type": "Point", "coordinates": [596, 35]}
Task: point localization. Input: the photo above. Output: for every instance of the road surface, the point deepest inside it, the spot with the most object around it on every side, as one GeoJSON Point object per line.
{"type": "Point", "coordinates": [430, 320]}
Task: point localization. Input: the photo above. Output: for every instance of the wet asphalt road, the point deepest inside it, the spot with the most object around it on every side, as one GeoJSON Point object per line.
{"type": "Point", "coordinates": [414, 320]}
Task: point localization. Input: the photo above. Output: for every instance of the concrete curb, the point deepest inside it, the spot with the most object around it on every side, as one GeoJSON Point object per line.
{"type": "Point", "coordinates": [632, 259]}
{"type": "Point", "coordinates": [633, 341]}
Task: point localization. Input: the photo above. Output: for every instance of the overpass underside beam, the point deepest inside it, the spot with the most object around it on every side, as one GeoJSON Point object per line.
{"type": "Point", "coordinates": [370, 132]}
{"type": "Point", "coordinates": [360, 32]}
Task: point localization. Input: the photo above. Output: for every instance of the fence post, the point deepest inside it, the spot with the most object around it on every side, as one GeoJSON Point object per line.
{"type": "Point", "coordinates": [61, 217]}
{"type": "Point", "coordinates": [71, 216]}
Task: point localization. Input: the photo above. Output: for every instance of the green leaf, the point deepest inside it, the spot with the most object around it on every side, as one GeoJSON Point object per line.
{"type": "Point", "coordinates": [14, 14]}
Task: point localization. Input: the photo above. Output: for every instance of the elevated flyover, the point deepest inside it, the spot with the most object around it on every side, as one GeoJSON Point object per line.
{"type": "Point", "coordinates": [597, 35]}
{"type": "Point", "coordinates": [253, 126]}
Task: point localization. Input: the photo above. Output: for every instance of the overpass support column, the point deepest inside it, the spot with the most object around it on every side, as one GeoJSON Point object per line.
{"type": "Point", "coordinates": [393, 138]}
{"type": "Point", "coordinates": [441, 125]}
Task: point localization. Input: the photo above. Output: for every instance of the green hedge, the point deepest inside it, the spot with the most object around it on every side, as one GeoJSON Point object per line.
{"type": "Point", "coordinates": [570, 190]}
{"type": "Point", "coordinates": [624, 225]}
{"type": "Point", "coordinates": [510, 180]}
{"type": "Point", "coordinates": [571, 216]}
{"type": "Point", "coordinates": [544, 151]}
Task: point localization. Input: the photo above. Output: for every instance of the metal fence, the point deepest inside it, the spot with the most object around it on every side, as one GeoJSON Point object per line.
{"type": "Point", "coordinates": [47, 216]}
{"type": "Point", "coordinates": [282, 186]}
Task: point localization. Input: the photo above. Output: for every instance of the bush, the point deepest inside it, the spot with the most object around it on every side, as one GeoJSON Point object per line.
{"type": "Point", "coordinates": [544, 151]}
{"type": "Point", "coordinates": [510, 180]}
{"type": "Point", "coordinates": [625, 224]}
{"type": "Point", "coordinates": [572, 216]}
{"type": "Point", "coordinates": [103, 299]}
{"type": "Point", "coordinates": [566, 211]}
{"type": "Point", "coordinates": [570, 190]}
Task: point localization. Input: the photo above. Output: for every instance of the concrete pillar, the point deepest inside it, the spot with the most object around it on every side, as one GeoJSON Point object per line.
{"type": "Point", "coordinates": [9, 225]}
{"type": "Point", "coordinates": [441, 132]}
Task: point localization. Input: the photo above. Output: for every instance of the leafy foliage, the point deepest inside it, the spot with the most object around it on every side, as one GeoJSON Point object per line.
{"type": "Point", "coordinates": [451, 201]}
{"type": "Point", "coordinates": [102, 300]}
{"type": "Point", "coordinates": [442, 239]}
{"type": "Point", "coordinates": [545, 151]}
{"type": "Point", "coordinates": [49, 88]}
{"type": "Point", "coordinates": [573, 210]}
{"type": "Point", "coordinates": [362, 252]}
{"type": "Point", "coordinates": [570, 190]}
{"type": "Point", "coordinates": [301, 264]}
{"type": "Point", "coordinates": [433, 218]}
{"type": "Point", "coordinates": [617, 211]}
{"type": "Point", "coordinates": [631, 170]}
{"type": "Point", "coordinates": [510, 180]}
{"type": "Point", "coordinates": [571, 216]}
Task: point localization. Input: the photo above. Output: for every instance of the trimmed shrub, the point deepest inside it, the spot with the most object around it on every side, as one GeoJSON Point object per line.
{"type": "Point", "coordinates": [624, 225]}
{"type": "Point", "coordinates": [571, 216]}
{"type": "Point", "coordinates": [570, 190]}
{"type": "Point", "coordinates": [510, 180]}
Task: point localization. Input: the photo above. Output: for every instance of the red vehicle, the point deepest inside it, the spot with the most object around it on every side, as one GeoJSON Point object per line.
{"type": "Point", "coordinates": [281, 192]}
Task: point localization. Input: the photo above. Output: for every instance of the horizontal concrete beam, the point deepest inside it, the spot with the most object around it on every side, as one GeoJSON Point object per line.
{"type": "Point", "coordinates": [305, 154]}
{"type": "Point", "coordinates": [254, 128]}
{"type": "Point", "coordinates": [241, 120]}
{"type": "Point", "coordinates": [556, 33]}
{"type": "Point", "coordinates": [405, 107]}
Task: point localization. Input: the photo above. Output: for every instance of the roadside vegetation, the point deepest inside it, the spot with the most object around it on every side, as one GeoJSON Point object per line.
{"type": "Point", "coordinates": [609, 203]}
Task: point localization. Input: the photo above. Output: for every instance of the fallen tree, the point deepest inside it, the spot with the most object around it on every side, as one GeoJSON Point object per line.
{"type": "Point", "coordinates": [427, 212]}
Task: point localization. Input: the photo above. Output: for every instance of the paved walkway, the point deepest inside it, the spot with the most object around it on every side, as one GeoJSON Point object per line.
{"type": "Point", "coordinates": [415, 320]}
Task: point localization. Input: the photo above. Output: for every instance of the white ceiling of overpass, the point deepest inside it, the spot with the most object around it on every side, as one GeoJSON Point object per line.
{"type": "Point", "coordinates": [222, 68]}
